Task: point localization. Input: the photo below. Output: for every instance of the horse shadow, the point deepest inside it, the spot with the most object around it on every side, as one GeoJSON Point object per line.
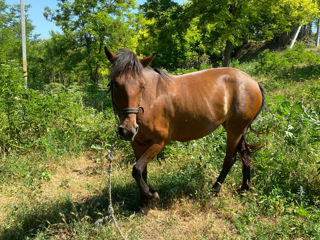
{"type": "Point", "coordinates": [125, 199]}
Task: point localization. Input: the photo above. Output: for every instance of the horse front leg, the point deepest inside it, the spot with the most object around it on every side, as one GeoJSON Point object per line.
{"type": "Point", "coordinates": [143, 199]}
{"type": "Point", "coordinates": [139, 171]}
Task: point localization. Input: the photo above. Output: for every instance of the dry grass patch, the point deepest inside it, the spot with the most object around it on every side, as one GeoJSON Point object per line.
{"type": "Point", "coordinates": [78, 177]}
{"type": "Point", "coordinates": [184, 219]}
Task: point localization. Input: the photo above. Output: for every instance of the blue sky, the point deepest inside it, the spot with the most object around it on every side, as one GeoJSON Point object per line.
{"type": "Point", "coordinates": [42, 26]}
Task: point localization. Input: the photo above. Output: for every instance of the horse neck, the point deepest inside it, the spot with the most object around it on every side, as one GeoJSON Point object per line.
{"type": "Point", "coordinates": [163, 85]}
{"type": "Point", "coordinates": [157, 84]}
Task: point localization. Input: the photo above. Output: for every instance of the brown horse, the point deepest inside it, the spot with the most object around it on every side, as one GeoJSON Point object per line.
{"type": "Point", "coordinates": [154, 108]}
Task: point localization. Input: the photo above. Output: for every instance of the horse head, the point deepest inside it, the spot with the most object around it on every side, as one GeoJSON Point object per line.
{"type": "Point", "coordinates": [127, 85]}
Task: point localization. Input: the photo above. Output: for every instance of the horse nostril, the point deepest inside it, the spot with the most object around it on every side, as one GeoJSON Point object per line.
{"type": "Point", "coordinates": [126, 134]}
{"type": "Point", "coordinates": [136, 129]}
{"type": "Point", "coordinates": [121, 131]}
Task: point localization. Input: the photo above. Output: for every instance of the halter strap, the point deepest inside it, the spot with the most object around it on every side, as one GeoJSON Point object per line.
{"type": "Point", "coordinates": [129, 110]}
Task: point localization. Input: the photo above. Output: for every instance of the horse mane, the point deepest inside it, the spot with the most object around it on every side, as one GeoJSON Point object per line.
{"type": "Point", "coordinates": [126, 62]}
{"type": "Point", "coordinates": [163, 73]}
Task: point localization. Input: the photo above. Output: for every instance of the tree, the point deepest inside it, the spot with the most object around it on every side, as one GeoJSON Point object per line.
{"type": "Point", "coordinates": [231, 23]}
{"type": "Point", "coordinates": [55, 60]}
{"type": "Point", "coordinates": [163, 33]}
{"type": "Point", "coordinates": [95, 23]}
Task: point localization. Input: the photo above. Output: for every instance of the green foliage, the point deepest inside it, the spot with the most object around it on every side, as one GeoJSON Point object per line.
{"type": "Point", "coordinates": [275, 17]}
{"type": "Point", "coordinates": [163, 33]}
{"type": "Point", "coordinates": [56, 60]}
{"type": "Point", "coordinates": [11, 100]}
{"type": "Point", "coordinates": [66, 115]}
{"type": "Point", "coordinates": [286, 62]}
{"type": "Point", "coordinates": [181, 35]}
{"type": "Point", "coordinates": [293, 159]}
{"type": "Point", "coordinates": [10, 29]}
{"type": "Point", "coordinates": [54, 120]}
{"type": "Point", "coordinates": [227, 24]}
{"type": "Point", "coordinates": [89, 25]}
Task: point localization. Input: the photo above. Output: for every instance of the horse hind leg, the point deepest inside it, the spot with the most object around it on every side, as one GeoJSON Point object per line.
{"type": "Point", "coordinates": [245, 155]}
{"type": "Point", "coordinates": [230, 158]}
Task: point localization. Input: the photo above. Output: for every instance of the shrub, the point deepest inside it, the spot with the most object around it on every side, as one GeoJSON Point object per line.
{"type": "Point", "coordinates": [275, 63]}
{"type": "Point", "coordinates": [54, 120]}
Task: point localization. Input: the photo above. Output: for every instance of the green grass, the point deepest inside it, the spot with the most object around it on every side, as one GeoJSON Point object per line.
{"type": "Point", "coordinates": [48, 194]}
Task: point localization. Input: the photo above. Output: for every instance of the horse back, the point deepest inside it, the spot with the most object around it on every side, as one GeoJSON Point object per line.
{"type": "Point", "coordinates": [206, 99]}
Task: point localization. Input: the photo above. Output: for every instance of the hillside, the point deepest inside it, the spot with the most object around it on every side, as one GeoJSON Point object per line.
{"type": "Point", "coordinates": [56, 187]}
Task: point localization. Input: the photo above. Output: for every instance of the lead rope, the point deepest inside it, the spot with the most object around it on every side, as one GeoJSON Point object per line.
{"type": "Point", "coordinates": [110, 208]}
{"type": "Point", "coordinates": [109, 156]}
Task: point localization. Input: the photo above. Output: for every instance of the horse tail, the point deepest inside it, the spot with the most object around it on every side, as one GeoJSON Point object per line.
{"type": "Point", "coordinates": [244, 149]}
{"type": "Point", "coordinates": [262, 106]}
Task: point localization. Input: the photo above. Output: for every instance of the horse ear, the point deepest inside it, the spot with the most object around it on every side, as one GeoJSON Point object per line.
{"type": "Point", "coordinates": [110, 55]}
{"type": "Point", "coordinates": [147, 60]}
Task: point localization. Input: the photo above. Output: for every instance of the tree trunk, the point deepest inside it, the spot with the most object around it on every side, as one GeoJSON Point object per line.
{"type": "Point", "coordinates": [227, 54]}
{"type": "Point", "coordinates": [93, 77]}
{"type": "Point", "coordinates": [96, 74]}
{"type": "Point", "coordinates": [303, 32]}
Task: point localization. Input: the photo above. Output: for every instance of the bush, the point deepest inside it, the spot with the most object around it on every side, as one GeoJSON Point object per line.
{"type": "Point", "coordinates": [275, 63]}
{"type": "Point", "coordinates": [54, 120]}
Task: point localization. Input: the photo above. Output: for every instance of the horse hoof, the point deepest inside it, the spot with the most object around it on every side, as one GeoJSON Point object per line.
{"type": "Point", "coordinates": [155, 196]}
{"type": "Point", "coordinates": [142, 209]}
{"type": "Point", "coordinates": [215, 194]}
{"type": "Point", "coordinates": [215, 191]}
{"type": "Point", "coordinates": [243, 189]}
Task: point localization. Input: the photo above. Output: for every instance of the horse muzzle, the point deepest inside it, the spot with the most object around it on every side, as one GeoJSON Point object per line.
{"type": "Point", "coordinates": [127, 134]}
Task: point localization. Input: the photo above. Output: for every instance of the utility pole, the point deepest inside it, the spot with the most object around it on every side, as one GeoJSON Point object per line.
{"type": "Point", "coordinates": [295, 36]}
{"type": "Point", "coordinates": [318, 33]}
{"type": "Point", "coordinates": [24, 47]}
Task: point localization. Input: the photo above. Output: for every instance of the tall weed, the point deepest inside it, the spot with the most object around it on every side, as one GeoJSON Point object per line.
{"type": "Point", "coordinates": [11, 105]}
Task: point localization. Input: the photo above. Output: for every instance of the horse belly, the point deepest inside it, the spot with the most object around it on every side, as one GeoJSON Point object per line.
{"type": "Point", "coordinates": [190, 129]}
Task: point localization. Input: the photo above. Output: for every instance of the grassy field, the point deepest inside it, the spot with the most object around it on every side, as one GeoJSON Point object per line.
{"type": "Point", "coordinates": [51, 194]}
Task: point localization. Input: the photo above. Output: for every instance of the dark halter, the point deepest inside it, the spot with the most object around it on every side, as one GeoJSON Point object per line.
{"type": "Point", "coordinates": [127, 110]}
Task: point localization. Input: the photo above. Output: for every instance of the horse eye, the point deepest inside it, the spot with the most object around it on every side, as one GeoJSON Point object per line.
{"type": "Point", "coordinates": [142, 87]}
{"type": "Point", "coordinates": [115, 84]}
